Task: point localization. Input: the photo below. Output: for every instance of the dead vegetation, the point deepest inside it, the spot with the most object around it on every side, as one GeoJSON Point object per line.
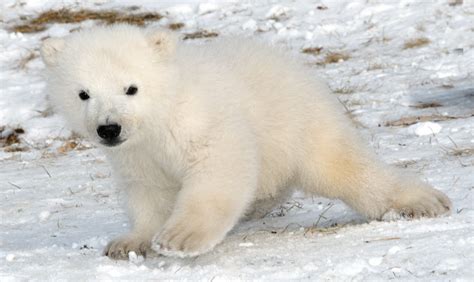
{"type": "Point", "coordinates": [328, 57]}
{"type": "Point", "coordinates": [375, 66]}
{"type": "Point", "coordinates": [416, 42]}
{"type": "Point", "coordinates": [405, 163]}
{"type": "Point", "coordinates": [25, 60]}
{"type": "Point", "coordinates": [71, 145]}
{"type": "Point", "coordinates": [406, 121]}
{"type": "Point", "coordinates": [455, 2]}
{"type": "Point", "coordinates": [333, 57]}
{"type": "Point", "coordinates": [457, 151]}
{"type": "Point", "coordinates": [348, 89]}
{"type": "Point", "coordinates": [10, 139]}
{"type": "Point", "coordinates": [461, 152]}
{"type": "Point", "coordinates": [350, 114]}
{"type": "Point", "coordinates": [40, 22]}
{"type": "Point", "coordinates": [312, 50]}
{"type": "Point", "coordinates": [200, 34]}
{"type": "Point", "coordinates": [427, 105]}
{"type": "Point", "coordinates": [175, 26]}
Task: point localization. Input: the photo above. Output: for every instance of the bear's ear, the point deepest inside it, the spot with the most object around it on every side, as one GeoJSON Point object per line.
{"type": "Point", "coordinates": [50, 50]}
{"type": "Point", "coordinates": [162, 41]}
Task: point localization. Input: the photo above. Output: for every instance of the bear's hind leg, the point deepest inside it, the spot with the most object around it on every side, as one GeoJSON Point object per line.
{"type": "Point", "coordinates": [342, 168]}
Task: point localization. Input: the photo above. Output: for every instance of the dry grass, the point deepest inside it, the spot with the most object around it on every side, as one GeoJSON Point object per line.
{"type": "Point", "coordinates": [11, 141]}
{"type": "Point", "coordinates": [15, 148]}
{"type": "Point", "coordinates": [461, 152]}
{"type": "Point", "coordinates": [406, 163]}
{"type": "Point", "coordinates": [25, 60]}
{"type": "Point", "coordinates": [333, 57]}
{"type": "Point", "coordinates": [11, 138]}
{"type": "Point", "coordinates": [67, 146]}
{"type": "Point", "coordinates": [427, 105]}
{"type": "Point", "coordinates": [175, 26]}
{"type": "Point", "coordinates": [455, 2]}
{"type": "Point", "coordinates": [420, 27]}
{"type": "Point", "coordinates": [348, 89]}
{"type": "Point", "coordinates": [200, 34]}
{"type": "Point", "coordinates": [416, 42]}
{"type": "Point", "coordinates": [312, 50]}
{"type": "Point", "coordinates": [67, 16]}
{"type": "Point", "coordinates": [350, 115]}
{"type": "Point", "coordinates": [70, 145]}
{"type": "Point", "coordinates": [406, 121]}
{"type": "Point", "coordinates": [375, 66]}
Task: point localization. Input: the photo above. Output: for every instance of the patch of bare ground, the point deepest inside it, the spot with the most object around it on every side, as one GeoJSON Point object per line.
{"type": "Point", "coordinates": [40, 22]}
{"type": "Point", "coordinates": [333, 57]}
{"type": "Point", "coordinates": [312, 50]}
{"type": "Point", "coordinates": [416, 42]}
{"type": "Point", "coordinates": [10, 140]}
{"type": "Point", "coordinates": [406, 121]}
{"type": "Point", "coordinates": [200, 34]}
{"type": "Point", "coordinates": [427, 105]}
{"type": "Point", "coordinates": [175, 26]}
{"type": "Point", "coordinates": [70, 145]}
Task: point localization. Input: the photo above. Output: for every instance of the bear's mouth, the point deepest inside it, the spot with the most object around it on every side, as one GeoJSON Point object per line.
{"type": "Point", "coordinates": [112, 142]}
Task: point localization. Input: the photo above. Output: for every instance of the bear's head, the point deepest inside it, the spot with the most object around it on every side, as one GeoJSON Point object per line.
{"type": "Point", "coordinates": [109, 81]}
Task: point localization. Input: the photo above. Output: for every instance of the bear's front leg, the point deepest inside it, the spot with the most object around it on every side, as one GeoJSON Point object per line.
{"type": "Point", "coordinates": [120, 247]}
{"type": "Point", "coordinates": [149, 207]}
{"type": "Point", "coordinates": [214, 196]}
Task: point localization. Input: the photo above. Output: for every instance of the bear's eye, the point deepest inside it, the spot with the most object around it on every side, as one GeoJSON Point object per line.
{"type": "Point", "coordinates": [83, 95]}
{"type": "Point", "coordinates": [131, 90]}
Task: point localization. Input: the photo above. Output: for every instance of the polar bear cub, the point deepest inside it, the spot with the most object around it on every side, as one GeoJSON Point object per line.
{"type": "Point", "coordinates": [201, 135]}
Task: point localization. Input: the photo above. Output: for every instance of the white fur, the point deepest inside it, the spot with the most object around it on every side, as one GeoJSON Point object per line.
{"type": "Point", "coordinates": [213, 130]}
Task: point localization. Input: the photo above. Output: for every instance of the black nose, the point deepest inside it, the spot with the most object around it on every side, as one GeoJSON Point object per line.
{"type": "Point", "coordinates": [109, 132]}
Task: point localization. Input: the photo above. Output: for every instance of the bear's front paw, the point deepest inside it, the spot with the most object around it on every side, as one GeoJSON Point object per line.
{"type": "Point", "coordinates": [120, 247]}
{"type": "Point", "coordinates": [187, 238]}
{"type": "Point", "coordinates": [418, 202]}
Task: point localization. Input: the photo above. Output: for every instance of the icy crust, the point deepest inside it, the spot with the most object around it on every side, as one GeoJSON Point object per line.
{"type": "Point", "coordinates": [413, 104]}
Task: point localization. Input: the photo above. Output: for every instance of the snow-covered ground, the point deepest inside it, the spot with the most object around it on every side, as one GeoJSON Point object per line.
{"type": "Point", "coordinates": [415, 105]}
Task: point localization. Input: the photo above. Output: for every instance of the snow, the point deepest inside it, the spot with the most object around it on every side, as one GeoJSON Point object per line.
{"type": "Point", "coordinates": [59, 206]}
{"type": "Point", "coordinates": [134, 258]}
{"type": "Point", "coordinates": [426, 128]}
